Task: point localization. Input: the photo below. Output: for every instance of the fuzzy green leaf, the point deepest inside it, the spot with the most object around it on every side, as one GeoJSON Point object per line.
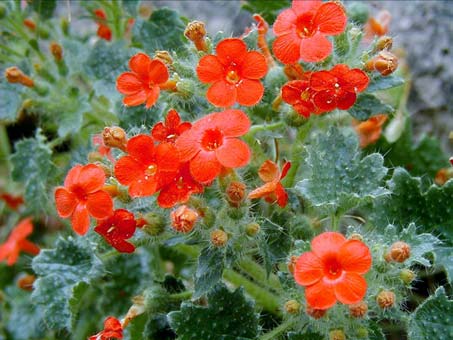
{"type": "Point", "coordinates": [163, 31]}
{"type": "Point", "coordinates": [383, 83]}
{"type": "Point", "coordinates": [44, 8]}
{"type": "Point", "coordinates": [433, 319]}
{"type": "Point", "coordinates": [228, 316]}
{"type": "Point", "coordinates": [32, 166]}
{"type": "Point", "coordinates": [444, 258]}
{"type": "Point", "coordinates": [408, 202]}
{"type": "Point", "coordinates": [304, 336]}
{"type": "Point", "coordinates": [267, 9]}
{"type": "Point", "coordinates": [368, 105]}
{"type": "Point", "coordinates": [209, 270]}
{"type": "Point", "coordinates": [63, 275]}
{"type": "Point", "coordinates": [338, 179]}
{"type": "Point", "coordinates": [10, 101]}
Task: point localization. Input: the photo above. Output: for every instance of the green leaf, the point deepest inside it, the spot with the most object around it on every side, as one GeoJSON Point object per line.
{"type": "Point", "coordinates": [304, 336]}
{"type": "Point", "coordinates": [228, 316]}
{"type": "Point", "coordinates": [44, 8]}
{"type": "Point", "coordinates": [130, 7]}
{"type": "Point", "coordinates": [383, 83]}
{"type": "Point", "coordinates": [433, 319]}
{"type": "Point", "coordinates": [209, 270]}
{"type": "Point", "coordinates": [32, 166]}
{"type": "Point", "coordinates": [338, 179]}
{"type": "Point", "coordinates": [163, 31]}
{"type": "Point", "coordinates": [267, 9]}
{"type": "Point", "coordinates": [408, 202]}
{"type": "Point", "coordinates": [444, 258]}
{"type": "Point", "coordinates": [10, 101]}
{"type": "Point", "coordinates": [368, 105]}
{"type": "Point", "coordinates": [63, 275]}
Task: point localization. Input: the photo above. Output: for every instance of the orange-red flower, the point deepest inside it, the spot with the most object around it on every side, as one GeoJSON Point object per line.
{"type": "Point", "coordinates": [234, 73]}
{"type": "Point", "coordinates": [103, 31]}
{"type": "Point", "coordinates": [13, 202]}
{"type": "Point", "coordinates": [172, 128]}
{"type": "Point", "coordinates": [112, 330]}
{"type": "Point", "coordinates": [370, 130]}
{"type": "Point", "coordinates": [17, 242]}
{"type": "Point", "coordinates": [301, 30]}
{"type": "Point", "coordinates": [147, 167]}
{"type": "Point", "coordinates": [299, 95]}
{"type": "Point", "coordinates": [211, 144]}
{"type": "Point", "coordinates": [333, 270]}
{"type": "Point", "coordinates": [82, 196]}
{"type": "Point", "coordinates": [103, 150]}
{"type": "Point", "coordinates": [338, 87]}
{"type": "Point", "coordinates": [378, 25]}
{"type": "Point", "coordinates": [183, 219]}
{"type": "Point", "coordinates": [117, 228]}
{"type": "Point", "coordinates": [142, 85]}
{"type": "Point", "coordinates": [272, 190]}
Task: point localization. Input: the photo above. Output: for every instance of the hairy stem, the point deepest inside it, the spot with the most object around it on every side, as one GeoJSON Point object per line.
{"type": "Point", "coordinates": [278, 330]}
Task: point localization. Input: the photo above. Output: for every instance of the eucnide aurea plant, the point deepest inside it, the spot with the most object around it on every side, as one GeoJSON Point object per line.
{"type": "Point", "coordinates": [194, 186]}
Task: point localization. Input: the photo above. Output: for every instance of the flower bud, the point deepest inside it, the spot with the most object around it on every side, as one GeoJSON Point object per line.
{"type": "Point", "coordinates": [356, 236]}
{"type": "Point", "coordinates": [337, 334]}
{"type": "Point", "coordinates": [114, 137]}
{"type": "Point", "coordinates": [292, 307]}
{"type": "Point", "coordinates": [252, 229]}
{"type": "Point", "coordinates": [135, 310]}
{"type": "Point", "coordinates": [30, 24]}
{"type": "Point", "coordinates": [362, 333]}
{"type": "Point", "coordinates": [443, 175]}
{"type": "Point", "coordinates": [57, 51]}
{"type": "Point", "coordinates": [384, 43]}
{"type": "Point", "coordinates": [407, 276]}
{"type": "Point", "coordinates": [292, 264]}
{"type": "Point", "coordinates": [196, 32]}
{"type": "Point", "coordinates": [183, 219]}
{"type": "Point", "coordinates": [385, 299]}
{"type": "Point", "coordinates": [294, 71]}
{"type": "Point", "coordinates": [163, 56]}
{"type": "Point", "coordinates": [15, 75]}
{"type": "Point", "coordinates": [95, 156]}
{"type": "Point", "coordinates": [154, 224]}
{"type": "Point", "coordinates": [358, 310]}
{"type": "Point", "coordinates": [235, 193]}
{"type": "Point", "coordinates": [315, 313]}
{"type": "Point", "coordinates": [145, 10]}
{"type": "Point", "coordinates": [400, 251]}
{"type": "Point", "coordinates": [219, 238]}
{"type": "Point", "coordinates": [385, 63]}
{"type": "Point", "coordinates": [26, 282]}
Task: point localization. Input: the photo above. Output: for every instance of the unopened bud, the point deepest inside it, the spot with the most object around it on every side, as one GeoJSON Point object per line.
{"type": "Point", "coordinates": [407, 276]}
{"type": "Point", "coordinates": [15, 75]}
{"type": "Point", "coordinates": [219, 238]}
{"type": "Point", "coordinates": [57, 51]}
{"type": "Point", "coordinates": [145, 10]}
{"type": "Point", "coordinates": [30, 24]}
{"type": "Point", "coordinates": [443, 175]}
{"type": "Point", "coordinates": [292, 307]}
{"type": "Point", "coordinates": [252, 229]}
{"type": "Point", "coordinates": [235, 193]}
{"type": "Point", "coordinates": [400, 251]}
{"type": "Point", "coordinates": [292, 264]}
{"type": "Point", "coordinates": [114, 137]}
{"type": "Point", "coordinates": [315, 313]}
{"type": "Point", "coordinates": [362, 333]}
{"type": "Point", "coordinates": [95, 156]}
{"type": "Point", "coordinates": [26, 282]}
{"type": "Point", "coordinates": [359, 309]}
{"type": "Point", "coordinates": [385, 63]}
{"type": "Point", "coordinates": [294, 71]}
{"type": "Point", "coordinates": [163, 56]}
{"type": "Point", "coordinates": [105, 168]}
{"type": "Point", "coordinates": [384, 43]}
{"type": "Point", "coordinates": [183, 219]}
{"type": "Point", "coordinates": [112, 190]}
{"type": "Point", "coordinates": [196, 32]}
{"type": "Point", "coordinates": [385, 299]}
{"type": "Point", "coordinates": [337, 334]}
{"type": "Point", "coordinates": [154, 224]}
{"type": "Point", "coordinates": [135, 310]}
{"type": "Point", "coordinates": [356, 236]}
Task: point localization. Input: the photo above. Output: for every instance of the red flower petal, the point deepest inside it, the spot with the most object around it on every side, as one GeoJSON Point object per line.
{"type": "Point", "coordinates": [80, 219]}
{"type": "Point", "coordinates": [355, 256]}
{"type": "Point", "coordinates": [29, 247]}
{"type": "Point", "coordinates": [287, 48]}
{"type": "Point", "coordinates": [127, 170]}
{"type": "Point", "coordinates": [141, 147]}
{"type": "Point", "coordinates": [232, 123]}
{"type": "Point", "coordinates": [320, 295]}
{"type": "Point", "coordinates": [91, 178]}
{"type": "Point", "coordinates": [233, 153]}
{"type": "Point", "coordinates": [325, 100]}
{"type": "Point", "coordinates": [72, 176]}
{"type": "Point", "coordinates": [158, 72]}
{"type": "Point", "coordinates": [152, 96]}
{"type": "Point", "coordinates": [315, 48]}
{"type": "Point", "coordinates": [221, 94]}
{"type": "Point", "coordinates": [308, 270]}
{"type": "Point", "coordinates": [128, 83]}
{"type": "Point", "coordinates": [167, 157]}
{"type": "Point", "coordinates": [99, 204]}
{"type": "Point", "coordinates": [330, 18]}
{"type": "Point", "coordinates": [327, 243]}
{"type": "Point", "coordinates": [254, 66]}
{"type": "Point", "coordinates": [282, 195]}
{"type": "Point", "coordinates": [135, 99]}
{"type": "Point", "coordinates": [22, 230]}
{"type": "Point", "coordinates": [269, 171]}
{"type": "Point", "coordinates": [351, 288]}
{"type": "Point", "coordinates": [249, 92]}
{"type": "Point", "coordinates": [231, 50]}
{"type": "Point", "coordinates": [304, 6]}
{"type": "Point", "coordinates": [291, 91]}
{"type": "Point", "coordinates": [205, 167]}
{"type": "Point", "coordinates": [263, 191]}
{"type": "Point", "coordinates": [210, 69]}
{"type": "Point", "coordinates": [172, 120]}
{"type": "Point", "coordinates": [143, 187]}
{"type": "Point", "coordinates": [323, 81]}
{"type": "Point", "coordinates": [188, 144]}
{"type": "Point", "coordinates": [159, 132]}
{"type": "Point", "coordinates": [170, 195]}
{"type": "Point", "coordinates": [65, 202]}
{"type": "Point", "coordinates": [346, 100]}
{"type": "Point", "coordinates": [285, 169]}
{"type": "Point", "coordinates": [139, 63]}
{"type": "Point", "coordinates": [355, 81]}
{"type": "Point", "coordinates": [285, 22]}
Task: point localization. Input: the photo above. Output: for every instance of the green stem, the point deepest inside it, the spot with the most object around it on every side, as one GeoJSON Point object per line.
{"type": "Point", "coordinates": [116, 10]}
{"type": "Point", "coordinates": [109, 254]}
{"type": "Point", "coordinates": [258, 273]}
{"type": "Point", "coordinates": [181, 296]}
{"type": "Point", "coordinates": [336, 221]}
{"type": "Point", "coordinates": [264, 127]}
{"type": "Point", "coordinates": [10, 50]}
{"type": "Point", "coordinates": [264, 298]}
{"type": "Point", "coordinates": [5, 148]}
{"type": "Point", "coordinates": [272, 335]}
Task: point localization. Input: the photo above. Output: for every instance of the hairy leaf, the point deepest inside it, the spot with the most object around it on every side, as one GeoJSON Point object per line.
{"type": "Point", "coordinates": [10, 101]}
{"type": "Point", "coordinates": [267, 9]}
{"type": "Point", "coordinates": [383, 83]}
{"type": "Point", "coordinates": [444, 258]}
{"type": "Point", "coordinates": [368, 105]}
{"type": "Point", "coordinates": [209, 270]}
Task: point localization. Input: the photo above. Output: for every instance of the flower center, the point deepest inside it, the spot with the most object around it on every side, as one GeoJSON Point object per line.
{"type": "Point", "coordinates": [304, 26]}
{"type": "Point", "coordinates": [232, 77]}
{"type": "Point", "coordinates": [212, 139]}
{"type": "Point", "coordinates": [80, 193]}
{"type": "Point", "coordinates": [332, 269]}
{"type": "Point", "coordinates": [305, 95]}
{"type": "Point", "coordinates": [112, 228]}
{"type": "Point", "coordinates": [180, 183]}
{"type": "Point", "coordinates": [150, 170]}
